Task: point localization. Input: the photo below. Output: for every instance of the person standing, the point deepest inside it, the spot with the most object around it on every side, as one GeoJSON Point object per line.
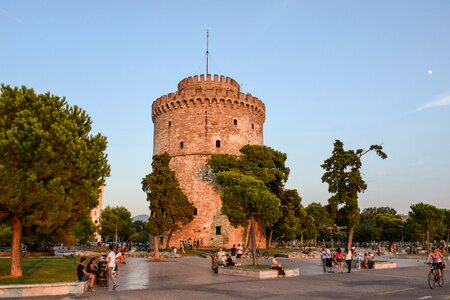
{"type": "Point", "coordinates": [239, 251]}
{"type": "Point", "coordinates": [111, 259]}
{"type": "Point", "coordinates": [339, 260]}
{"type": "Point", "coordinates": [233, 253]}
{"type": "Point", "coordinates": [329, 260]}
{"type": "Point", "coordinates": [348, 259]}
{"type": "Point", "coordinates": [324, 259]}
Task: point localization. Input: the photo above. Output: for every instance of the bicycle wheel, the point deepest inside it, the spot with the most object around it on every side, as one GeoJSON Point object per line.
{"type": "Point", "coordinates": [440, 281]}
{"type": "Point", "coordinates": [431, 279]}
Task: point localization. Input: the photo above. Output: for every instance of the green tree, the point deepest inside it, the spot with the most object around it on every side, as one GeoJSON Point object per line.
{"type": "Point", "coordinates": [5, 233]}
{"type": "Point", "coordinates": [388, 227]}
{"type": "Point", "coordinates": [320, 218]}
{"type": "Point", "coordinates": [427, 220]}
{"type": "Point", "coordinates": [169, 207]}
{"type": "Point", "coordinates": [51, 166]}
{"type": "Point", "coordinates": [343, 176]}
{"type": "Point", "coordinates": [369, 215]}
{"type": "Point", "coordinates": [295, 221]}
{"type": "Point", "coordinates": [246, 199]}
{"type": "Point", "coordinates": [84, 231]}
{"type": "Point", "coordinates": [116, 223]}
{"type": "Point", "coordinates": [446, 223]}
{"type": "Point", "coordinates": [259, 161]}
{"type": "Point", "coordinates": [364, 232]}
{"type": "Point", "coordinates": [141, 233]}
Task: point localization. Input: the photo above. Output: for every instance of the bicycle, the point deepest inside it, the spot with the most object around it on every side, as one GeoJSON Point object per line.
{"type": "Point", "coordinates": [433, 277]}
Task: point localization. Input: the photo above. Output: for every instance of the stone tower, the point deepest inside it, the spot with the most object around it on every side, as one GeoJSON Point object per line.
{"type": "Point", "coordinates": [205, 116]}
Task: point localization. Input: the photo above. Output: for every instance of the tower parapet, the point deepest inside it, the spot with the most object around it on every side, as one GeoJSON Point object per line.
{"type": "Point", "coordinates": [198, 90]}
{"type": "Point", "coordinates": [215, 80]}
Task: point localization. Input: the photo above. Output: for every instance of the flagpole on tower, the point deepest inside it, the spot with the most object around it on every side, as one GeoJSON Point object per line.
{"type": "Point", "coordinates": [207, 50]}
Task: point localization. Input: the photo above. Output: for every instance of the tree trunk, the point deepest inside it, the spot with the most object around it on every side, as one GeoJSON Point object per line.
{"type": "Point", "coordinates": [270, 239]}
{"type": "Point", "coordinates": [253, 233]}
{"type": "Point", "coordinates": [156, 257]}
{"type": "Point", "coordinates": [169, 236]}
{"type": "Point", "coordinates": [350, 237]}
{"type": "Point", "coordinates": [249, 235]}
{"type": "Point", "coordinates": [301, 241]}
{"type": "Point", "coordinates": [16, 264]}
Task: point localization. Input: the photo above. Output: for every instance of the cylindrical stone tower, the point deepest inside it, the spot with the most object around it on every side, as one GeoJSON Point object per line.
{"type": "Point", "coordinates": [205, 116]}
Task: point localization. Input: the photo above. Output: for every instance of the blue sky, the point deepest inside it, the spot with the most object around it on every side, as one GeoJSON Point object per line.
{"type": "Point", "coordinates": [364, 72]}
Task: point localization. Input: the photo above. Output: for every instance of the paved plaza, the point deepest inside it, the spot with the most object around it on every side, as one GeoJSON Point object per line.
{"type": "Point", "coordinates": [191, 278]}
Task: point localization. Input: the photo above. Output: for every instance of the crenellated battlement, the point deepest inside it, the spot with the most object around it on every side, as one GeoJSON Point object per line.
{"type": "Point", "coordinates": [209, 81]}
{"type": "Point", "coordinates": [194, 91]}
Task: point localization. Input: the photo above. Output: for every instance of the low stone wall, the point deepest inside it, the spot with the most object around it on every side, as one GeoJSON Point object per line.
{"type": "Point", "coordinates": [27, 253]}
{"type": "Point", "coordinates": [384, 265]}
{"type": "Point", "coordinates": [298, 255]}
{"type": "Point", "coordinates": [47, 289]}
{"type": "Point", "coordinates": [258, 274]}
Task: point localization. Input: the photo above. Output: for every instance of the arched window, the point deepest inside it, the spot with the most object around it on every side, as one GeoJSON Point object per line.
{"type": "Point", "coordinates": [253, 126]}
{"type": "Point", "coordinates": [235, 122]}
{"type": "Point", "coordinates": [181, 144]}
{"type": "Point", "coordinates": [218, 144]}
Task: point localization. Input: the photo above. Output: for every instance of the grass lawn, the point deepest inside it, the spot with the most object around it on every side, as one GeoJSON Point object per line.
{"type": "Point", "coordinates": [41, 270]}
{"type": "Point", "coordinates": [257, 267]}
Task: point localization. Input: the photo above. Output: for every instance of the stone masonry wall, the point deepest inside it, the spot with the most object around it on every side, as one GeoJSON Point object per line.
{"type": "Point", "coordinates": [205, 116]}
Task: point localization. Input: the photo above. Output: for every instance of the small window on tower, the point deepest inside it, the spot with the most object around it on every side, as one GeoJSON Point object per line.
{"type": "Point", "coordinates": [253, 126]}
{"type": "Point", "coordinates": [170, 123]}
{"type": "Point", "coordinates": [218, 230]}
{"type": "Point", "coordinates": [181, 144]}
{"type": "Point", "coordinates": [195, 211]}
{"type": "Point", "coordinates": [218, 144]}
{"type": "Point", "coordinates": [235, 122]}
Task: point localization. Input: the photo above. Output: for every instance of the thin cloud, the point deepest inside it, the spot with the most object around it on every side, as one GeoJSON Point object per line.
{"type": "Point", "coordinates": [441, 101]}
{"type": "Point", "coordinates": [10, 15]}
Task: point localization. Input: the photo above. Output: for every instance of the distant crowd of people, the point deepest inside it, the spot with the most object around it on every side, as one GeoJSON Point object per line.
{"type": "Point", "coordinates": [335, 259]}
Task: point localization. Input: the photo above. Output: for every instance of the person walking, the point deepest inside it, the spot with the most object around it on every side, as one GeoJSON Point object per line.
{"type": "Point", "coordinates": [111, 260]}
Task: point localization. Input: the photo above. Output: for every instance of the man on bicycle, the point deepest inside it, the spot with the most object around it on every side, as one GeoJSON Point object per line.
{"type": "Point", "coordinates": [437, 259]}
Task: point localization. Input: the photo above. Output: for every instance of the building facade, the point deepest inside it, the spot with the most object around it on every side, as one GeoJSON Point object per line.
{"type": "Point", "coordinates": [205, 116]}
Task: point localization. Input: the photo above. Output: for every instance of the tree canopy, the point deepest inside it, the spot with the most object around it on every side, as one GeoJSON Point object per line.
{"type": "Point", "coordinates": [244, 199]}
{"type": "Point", "coordinates": [343, 176]}
{"type": "Point", "coordinates": [114, 220]}
{"type": "Point", "coordinates": [51, 166]}
{"type": "Point", "coordinates": [259, 161]}
{"type": "Point", "coordinates": [426, 219]}
{"type": "Point", "coordinates": [169, 206]}
{"type": "Point", "coordinates": [294, 221]}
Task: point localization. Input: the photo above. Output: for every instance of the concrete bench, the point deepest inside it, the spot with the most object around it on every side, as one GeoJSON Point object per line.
{"type": "Point", "coordinates": [45, 289]}
{"type": "Point", "coordinates": [259, 274]}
